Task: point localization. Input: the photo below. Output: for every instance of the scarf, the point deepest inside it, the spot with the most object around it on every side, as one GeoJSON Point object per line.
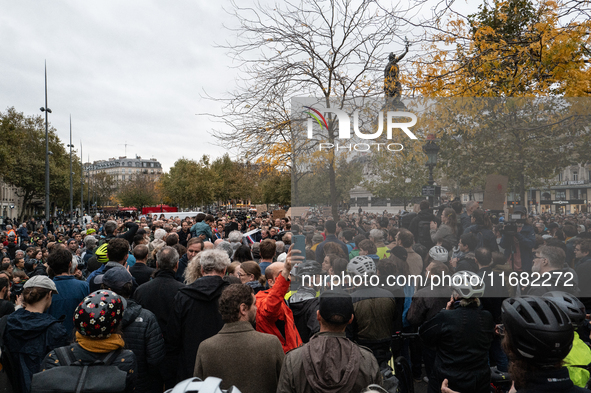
{"type": "Point", "coordinates": [104, 345]}
{"type": "Point", "coordinates": [254, 284]}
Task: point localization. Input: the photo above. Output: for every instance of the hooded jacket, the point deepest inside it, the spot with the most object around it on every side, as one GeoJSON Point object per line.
{"type": "Point", "coordinates": [142, 335]}
{"type": "Point", "coordinates": [194, 318]}
{"type": "Point", "coordinates": [329, 363]}
{"type": "Point", "coordinates": [29, 336]}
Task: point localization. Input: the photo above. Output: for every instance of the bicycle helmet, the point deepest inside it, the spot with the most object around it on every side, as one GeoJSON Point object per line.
{"type": "Point", "coordinates": [361, 264]}
{"type": "Point", "coordinates": [101, 253]}
{"type": "Point", "coordinates": [467, 284]}
{"type": "Point", "coordinates": [438, 253]}
{"type": "Point", "coordinates": [538, 329]}
{"type": "Point", "coordinates": [99, 314]}
{"type": "Point", "coordinates": [196, 385]}
{"type": "Point", "coordinates": [571, 305]}
{"type": "Point", "coordinates": [308, 268]}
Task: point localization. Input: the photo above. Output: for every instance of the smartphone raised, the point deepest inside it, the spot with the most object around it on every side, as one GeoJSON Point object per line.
{"type": "Point", "coordinates": [299, 243]}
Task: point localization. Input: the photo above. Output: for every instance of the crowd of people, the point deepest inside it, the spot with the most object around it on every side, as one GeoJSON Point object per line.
{"type": "Point", "coordinates": [153, 302]}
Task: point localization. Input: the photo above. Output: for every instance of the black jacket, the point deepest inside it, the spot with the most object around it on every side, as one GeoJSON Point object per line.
{"type": "Point", "coordinates": [141, 272]}
{"type": "Point", "coordinates": [195, 317]}
{"type": "Point", "coordinates": [6, 307]}
{"type": "Point", "coordinates": [304, 316]}
{"type": "Point", "coordinates": [486, 237]}
{"type": "Point", "coordinates": [584, 275]}
{"type": "Point", "coordinates": [124, 362]}
{"type": "Point", "coordinates": [142, 335]}
{"type": "Point", "coordinates": [462, 338]}
{"type": "Point", "coordinates": [426, 303]}
{"type": "Point", "coordinates": [158, 295]}
{"type": "Point", "coordinates": [423, 216]}
{"type": "Point", "coordinates": [494, 292]}
{"type": "Point", "coordinates": [183, 263]}
{"type": "Point", "coordinates": [28, 337]}
{"type": "Point", "coordinates": [467, 263]}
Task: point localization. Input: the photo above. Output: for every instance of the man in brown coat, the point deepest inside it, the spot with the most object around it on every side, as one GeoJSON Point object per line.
{"type": "Point", "coordinates": [238, 354]}
{"type": "Point", "coordinates": [330, 362]}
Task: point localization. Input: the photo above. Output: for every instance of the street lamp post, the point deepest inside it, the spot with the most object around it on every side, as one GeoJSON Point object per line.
{"type": "Point", "coordinates": [71, 176]}
{"type": "Point", "coordinates": [81, 187]}
{"type": "Point", "coordinates": [431, 149]}
{"type": "Point", "coordinates": [46, 110]}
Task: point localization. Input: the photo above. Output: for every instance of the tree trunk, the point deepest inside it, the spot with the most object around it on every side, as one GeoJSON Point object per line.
{"type": "Point", "coordinates": [522, 189]}
{"type": "Point", "coordinates": [26, 202]}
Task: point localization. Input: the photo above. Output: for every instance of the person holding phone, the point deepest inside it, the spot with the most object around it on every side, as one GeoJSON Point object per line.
{"type": "Point", "coordinates": [461, 335]}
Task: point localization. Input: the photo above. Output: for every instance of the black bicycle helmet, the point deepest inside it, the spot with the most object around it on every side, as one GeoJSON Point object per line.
{"type": "Point", "coordinates": [570, 304]}
{"type": "Point", "coordinates": [538, 329]}
{"type": "Point", "coordinates": [195, 385]}
{"type": "Point", "coordinates": [308, 268]}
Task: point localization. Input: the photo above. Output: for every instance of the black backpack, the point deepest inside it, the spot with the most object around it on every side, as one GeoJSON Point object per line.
{"type": "Point", "coordinates": [75, 377]}
{"type": "Point", "coordinates": [424, 231]}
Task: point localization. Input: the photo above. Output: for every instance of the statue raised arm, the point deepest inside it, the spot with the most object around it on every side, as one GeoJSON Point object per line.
{"type": "Point", "coordinates": [392, 86]}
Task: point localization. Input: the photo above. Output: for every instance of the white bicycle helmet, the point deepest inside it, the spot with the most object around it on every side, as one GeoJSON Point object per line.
{"type": "Point", "coordinates": [467, 284]}
{"type": "Point", "coordinates": [195, 385]}
{"type": "Point", "coordinates": [438, 253]}
{"type": "Point", "coordinates": [362, 264]}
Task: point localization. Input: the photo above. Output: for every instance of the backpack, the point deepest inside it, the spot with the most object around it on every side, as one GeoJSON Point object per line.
{"type": "Point", "coordinates": [75, 377]}
{"type": "Point", "coordinates": [424, 231]}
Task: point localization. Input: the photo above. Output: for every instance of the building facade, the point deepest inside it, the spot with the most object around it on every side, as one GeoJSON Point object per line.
{"type": "Point", "coordinates": [124, 168]}
{"type": "Point", "coordinates": [568, 195]}
{"type": "Point", "coordinates": [10, 202]}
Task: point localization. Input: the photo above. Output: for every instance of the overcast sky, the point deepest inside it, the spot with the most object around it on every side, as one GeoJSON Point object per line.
{"type": "Point", "coordinates": [130, 71]}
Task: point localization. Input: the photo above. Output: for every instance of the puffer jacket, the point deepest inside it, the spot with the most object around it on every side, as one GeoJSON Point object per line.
{"type": "Point", "coordinates": [462, 339]}
{"type": "Point", "coordinates": [125, 361]}
{"type": "Point", "coordinates": [28, 337]}
{"type": "Point", "coordinates": [273, 314]}
{"type": "Point", "coordinates": [142, 335]}
{"type": "Point", "coordinates": [195, 317]}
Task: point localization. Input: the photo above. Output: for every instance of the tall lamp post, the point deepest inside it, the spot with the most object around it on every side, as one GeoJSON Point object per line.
{"type": "Point", "coordinates": [431, 149]}
{"type": "Point", "coordinates": [71, 177]}
{"type": "Point", "coordinates": [81, 187]}
{"type": "Point", "coordinates": [46, 110]}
